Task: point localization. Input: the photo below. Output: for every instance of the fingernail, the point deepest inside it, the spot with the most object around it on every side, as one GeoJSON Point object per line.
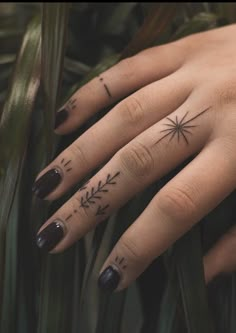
{"type": "Point", "coordinates": [49, 237]}
{"type": "Point", "coordinates": [109, 279]}
{"type": "Point", "coordinates": [46, 183]}
{"type": "Point", "coordinates": [61, 116]}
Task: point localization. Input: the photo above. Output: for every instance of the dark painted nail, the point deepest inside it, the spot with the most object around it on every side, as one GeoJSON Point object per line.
{"type": "Point", "coordinates": [109, 279]}
{"type": "Point", "coordinates": [61, 116]}
{"type": "Point", "coordinates": [49, 237]}
{"type": "Point", "coordinates": [46, 183]}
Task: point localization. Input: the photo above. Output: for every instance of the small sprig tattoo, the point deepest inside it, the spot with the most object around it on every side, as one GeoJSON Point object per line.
{"type": "Point", "coordinates": [96, 192]}
{"type": "Point", "coordinates": [180, 129]}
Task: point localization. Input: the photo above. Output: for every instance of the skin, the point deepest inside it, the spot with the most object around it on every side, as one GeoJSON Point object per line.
{"type": "Point", "coordinates": [194, 74]}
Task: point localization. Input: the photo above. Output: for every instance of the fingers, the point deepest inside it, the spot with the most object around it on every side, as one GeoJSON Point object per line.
{"type": "Point", "coordinates": [128, 119]}
{"type": "Point", "coordinates": [221, 258]}
{"type": "Point", "coordinates": [146, 158]}
{"type": "Point", "coordinates": [196, 190]}
{"type": "Point", "coordinates": [122, 79]}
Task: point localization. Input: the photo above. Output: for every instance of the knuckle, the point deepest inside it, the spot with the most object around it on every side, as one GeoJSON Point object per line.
{"type": "Point", "coordinates": [226, 92]}
{"type": "Point", "coordinates": [137, 159]}
{"type": "Point", "coordinates": [131, 111]}
{"type": "Point", "coordinates": [127, 66]}
{"type": "Point", "coordinates": [177, 203]}
{"type": "Point", "coordinates": [79, 154]}
{"type": "Point", "coordinates": [130, 248]}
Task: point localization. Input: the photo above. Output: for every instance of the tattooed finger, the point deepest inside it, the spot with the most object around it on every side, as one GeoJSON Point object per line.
{"type": "Point", "coordinates": [117, 82]}
{"type": "Point", "coordinates": [131, 169]}
{"type": "Point", "coordinates": [172, 212]}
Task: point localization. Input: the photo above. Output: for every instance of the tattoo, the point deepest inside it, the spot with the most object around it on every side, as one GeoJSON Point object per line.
{"type": "Point", "coordinates": [101, 210]}
{"type": "Point", "coordinates": [105, 86]}
{"type": "Point", "coordinates": [119, 261]}
{"type": "Point", "coordinates": [71, 104]}
{"type": "Point", "coordinates": [180, 128]}
{"type": "Point", "coordinates": [91, 196]}
{"type": "Point", "coordinates": [66, 164]}
{"type": "Point", "coordinates": [68, 217]}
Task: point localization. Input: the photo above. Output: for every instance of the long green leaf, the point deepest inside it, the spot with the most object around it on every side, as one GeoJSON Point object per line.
{"type": "Point", "coordinates": [14, 131]}
{"type": "Point", "coordinates": [154, 26]}
{"type": "Point", "coordinates": [54, 32]}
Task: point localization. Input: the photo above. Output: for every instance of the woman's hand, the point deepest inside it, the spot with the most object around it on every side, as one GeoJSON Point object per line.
{"type": "Point", "coordinates": [182, 101]}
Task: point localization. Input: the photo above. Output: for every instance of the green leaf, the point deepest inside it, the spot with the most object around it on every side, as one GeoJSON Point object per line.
{"type": "Point", "coordinates": [14, 131]}
{"type": "Point", "coordinates": [54, 31]}
{"type": "Point", "coordinates": [154, 26]}
{"type": "Point", "coordinates": [200, 22]}
{"type": "Point", "coordinates": [188, 254]}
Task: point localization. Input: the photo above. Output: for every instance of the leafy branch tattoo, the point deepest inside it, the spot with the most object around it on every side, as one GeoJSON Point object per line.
{"type": "Point", "coordinates": [95, 193]}
{"type": "Point", "coordinates": [180, 129]}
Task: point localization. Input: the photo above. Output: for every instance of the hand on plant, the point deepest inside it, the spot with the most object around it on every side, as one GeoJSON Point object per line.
{"type": "Point", "coordinates": [182, 102]}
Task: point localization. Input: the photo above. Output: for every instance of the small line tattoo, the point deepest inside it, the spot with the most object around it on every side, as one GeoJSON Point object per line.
{"type": "Point", "coordinates": [71, 105]}
{"type": "Point", "coordinates": [180, 128]}
{"type": "Point", "coordinates": [107, 90]}
{"type": "Point", "coordinates": [95, 193]}
{"type": "Point", "coordinates": [67, 163]}
{"type": "Point", "coordinates": [119, 262]}
{"type": "Point", "coordinates": [62, 161]}
{"type": "Point", "coordinates": [68, 217]}
{"type": "Point", "coordinates": [105, 86]}
{"type": "Point", "coordinates": [68, 169]}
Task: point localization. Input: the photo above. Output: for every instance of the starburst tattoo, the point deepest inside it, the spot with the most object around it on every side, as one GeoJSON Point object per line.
{"type": "Point", "coordinates": [180, 129]}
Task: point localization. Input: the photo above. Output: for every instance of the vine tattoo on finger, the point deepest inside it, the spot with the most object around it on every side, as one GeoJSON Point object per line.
{"type": "Point", "coordinates": [95, 194]}
{"type": "Point", "coordinates": [180, 129]}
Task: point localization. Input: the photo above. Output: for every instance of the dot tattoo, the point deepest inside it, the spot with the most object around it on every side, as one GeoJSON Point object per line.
{"type": "Point", "coordinates": [95, 193]}
{"type": "Point", "coordinates": [180, 129]}
{"type": "Point", "coordinates": [105, 86]}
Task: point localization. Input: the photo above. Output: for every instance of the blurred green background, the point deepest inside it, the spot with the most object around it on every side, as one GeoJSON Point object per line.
{"type": "Point", "coordinates": [47, 51]}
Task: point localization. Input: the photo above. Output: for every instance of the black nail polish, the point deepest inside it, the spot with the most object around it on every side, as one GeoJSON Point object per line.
{"type": "Point", "coordinates": [49, 237]}
{"type": "Point", "coordinates": [109, 279]}
{"type": "Point", "coordinates": [61, 116]}
{"type": "Point", "coordinates": [46, 183]}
